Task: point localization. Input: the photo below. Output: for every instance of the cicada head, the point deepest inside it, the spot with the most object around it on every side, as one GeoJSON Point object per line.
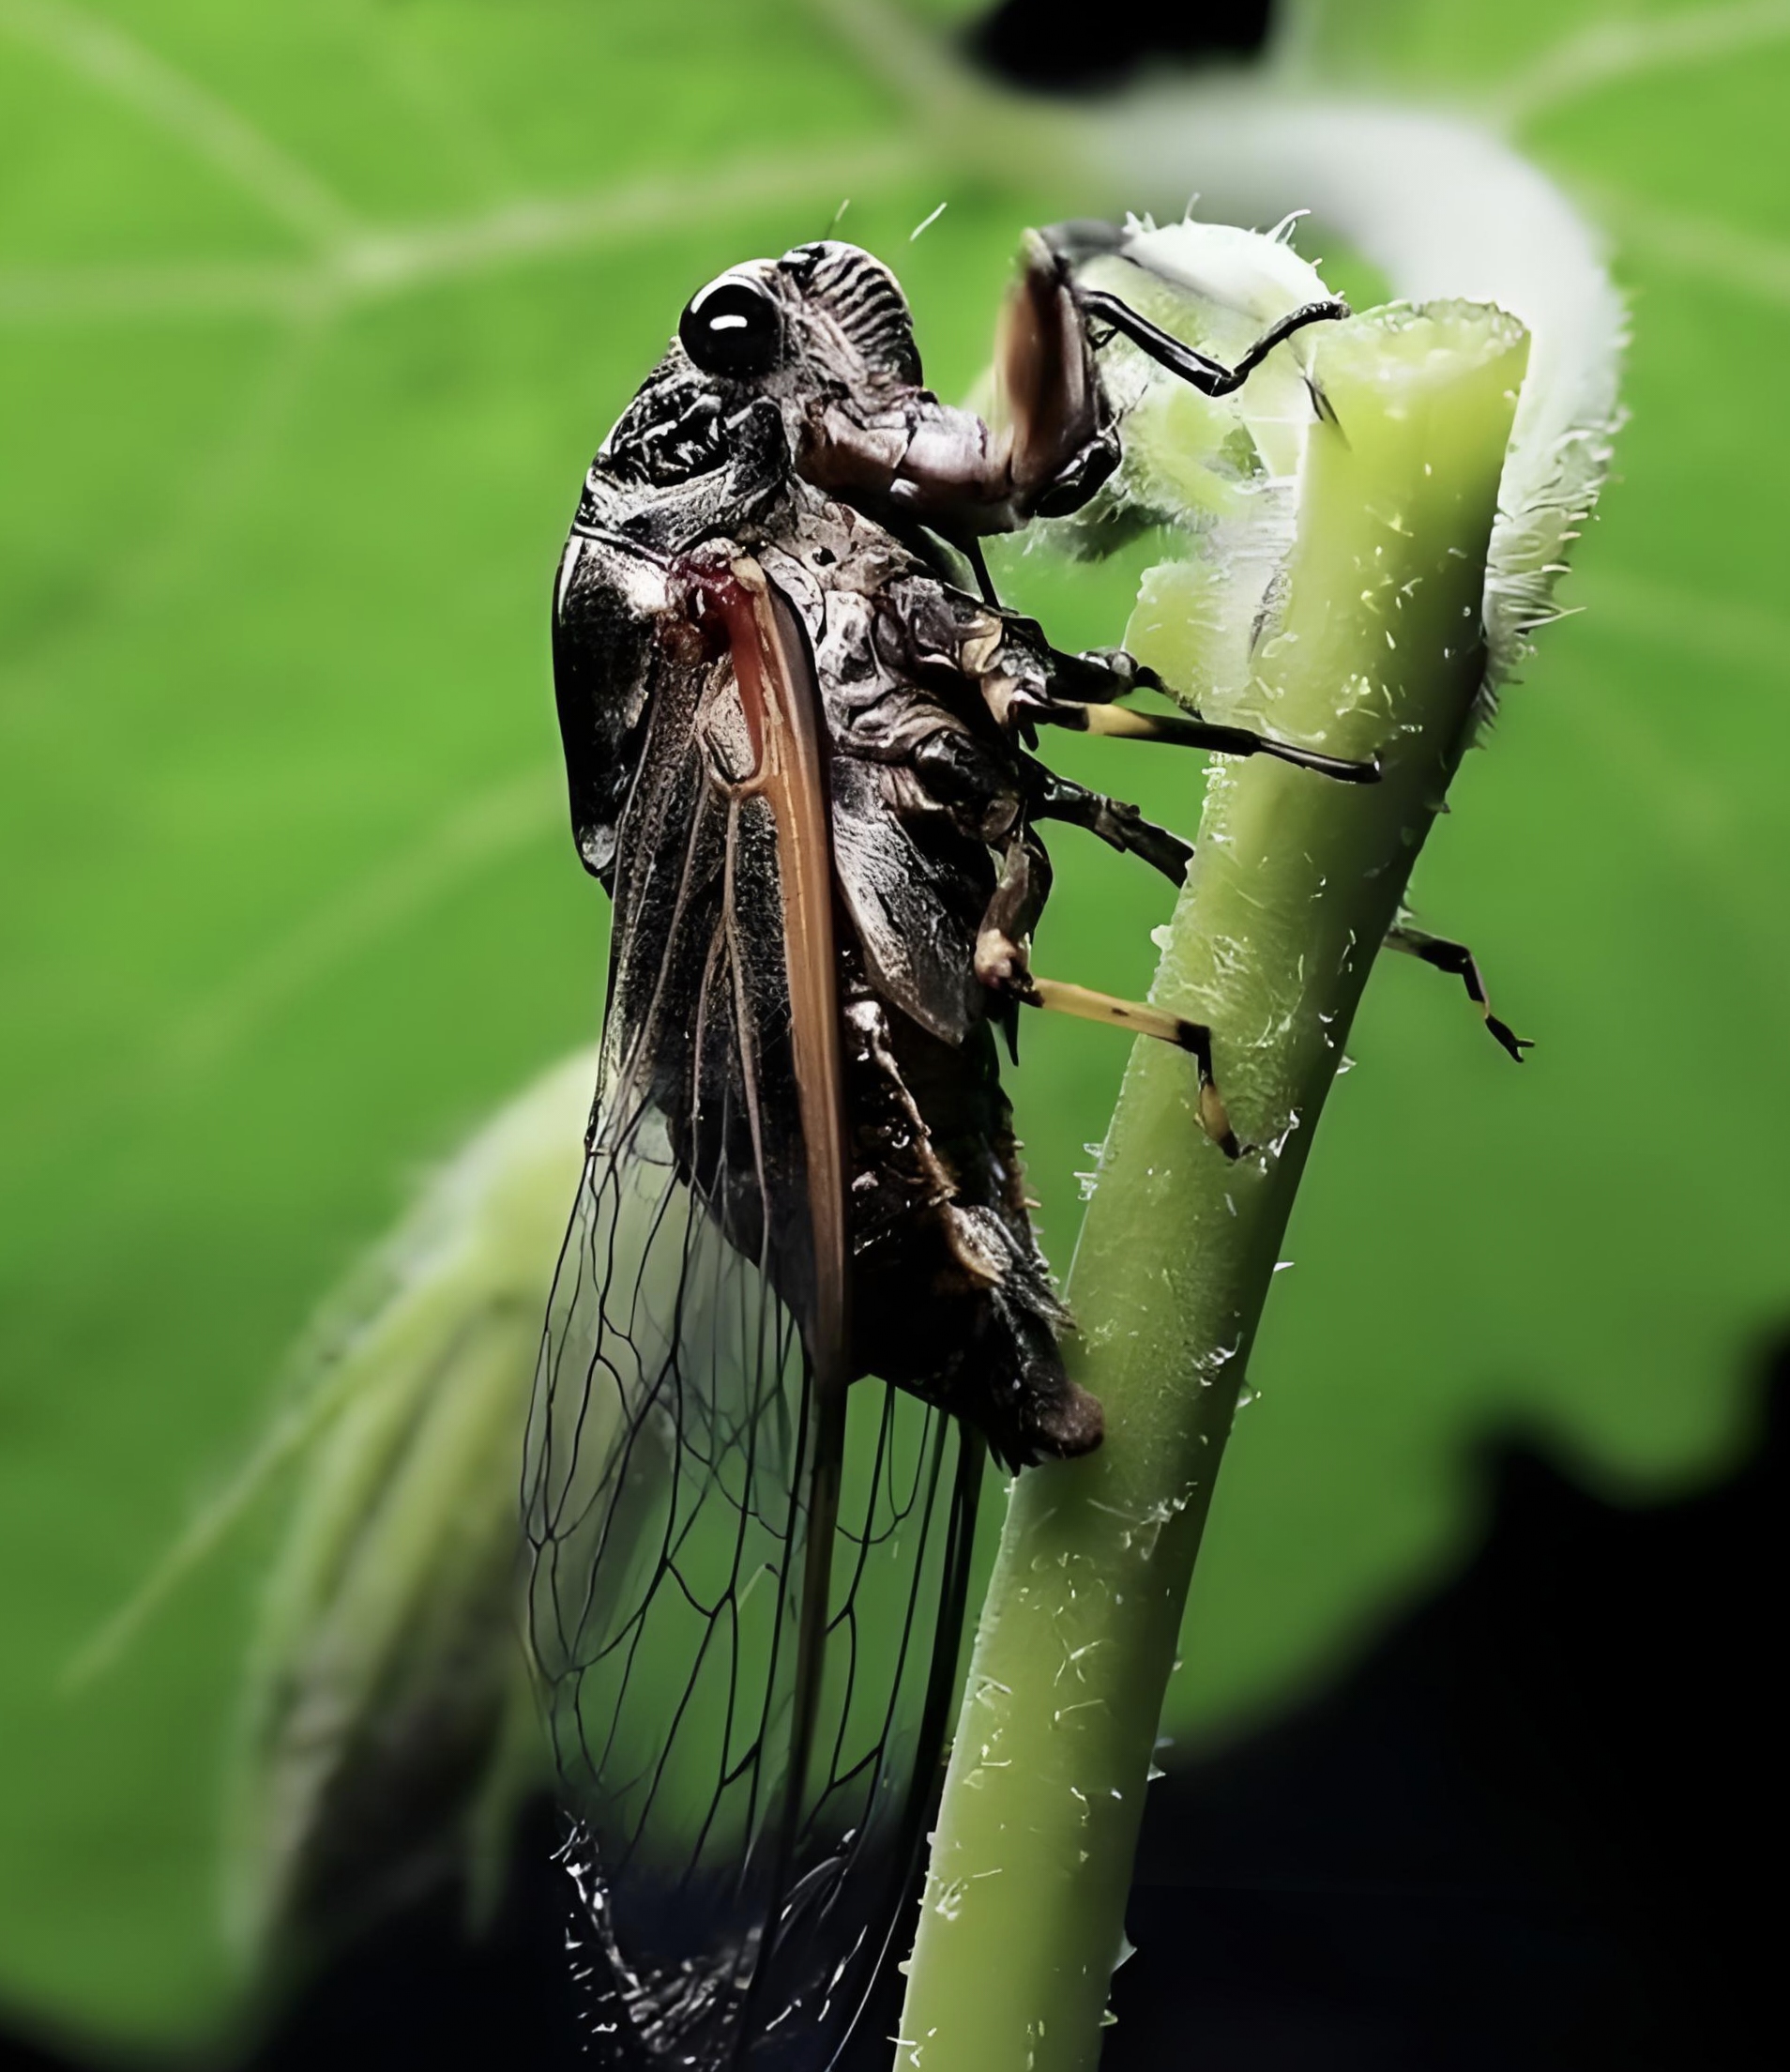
{"type": "Point", "coordinates": [820, 341]}
{"type": "Point", "coordinates": [825, 335]}
{"type": "Point", "coordinates": [826, 320]}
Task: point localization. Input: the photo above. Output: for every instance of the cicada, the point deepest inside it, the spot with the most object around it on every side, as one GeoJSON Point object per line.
{"type": "Point", "coordinates": [800, 733]}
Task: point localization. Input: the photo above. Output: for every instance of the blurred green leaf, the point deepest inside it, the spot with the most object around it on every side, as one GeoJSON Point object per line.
{"type": "Point", "coordinates": [309, 320]}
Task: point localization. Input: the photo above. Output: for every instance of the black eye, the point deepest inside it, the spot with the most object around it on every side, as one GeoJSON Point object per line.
{"type": "Point", "coordinates": [732, 328]}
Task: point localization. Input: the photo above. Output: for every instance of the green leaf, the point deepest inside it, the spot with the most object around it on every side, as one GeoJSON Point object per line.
{"type": "Point", "coordinates": [309, 318]}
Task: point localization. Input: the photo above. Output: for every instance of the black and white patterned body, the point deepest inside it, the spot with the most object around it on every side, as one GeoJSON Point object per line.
{"type": "Point", "coordinates": [801, 1288]}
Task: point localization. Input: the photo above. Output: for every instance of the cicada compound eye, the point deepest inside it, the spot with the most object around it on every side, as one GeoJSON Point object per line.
{"type": "Point", "coordinates": [733, 328]}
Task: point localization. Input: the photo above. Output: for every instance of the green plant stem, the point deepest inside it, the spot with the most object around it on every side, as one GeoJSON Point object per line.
{"type": "Point", "coordinates": [1378, 651]}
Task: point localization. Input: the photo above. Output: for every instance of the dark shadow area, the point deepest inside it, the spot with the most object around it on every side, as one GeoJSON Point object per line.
{"type": "Point", "coordinates": [417, 1993]}
{"type": "Point", "coordinates": [1053, 47]}
{"type": "Point", "coordinates": [1538, 1827]}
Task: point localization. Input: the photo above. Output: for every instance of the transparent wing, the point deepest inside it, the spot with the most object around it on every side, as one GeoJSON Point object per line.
{"type": "Point", "coordinates": [900, 1572]}
{"type": "Point", "coordinates": [664, 1508]}
{"type": "Point", "coordinates": [668, 1504]}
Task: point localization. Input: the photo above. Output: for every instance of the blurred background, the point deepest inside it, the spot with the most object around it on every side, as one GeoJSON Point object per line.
{"type": "Point", "coordinates": [311, 318]}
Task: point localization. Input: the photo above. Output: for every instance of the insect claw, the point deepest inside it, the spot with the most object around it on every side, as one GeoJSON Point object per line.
{"type": "Point", "coordinates": [1321, 404]}
{"type": "Point", "coordinates": [1338, 766]}
{"type": "Point", "coordinates": [1216, 1122]}
{"type": "Point", "coordinates": [1214, 1116]}
{"type": "Point", "coordinates": [1506, 1035]}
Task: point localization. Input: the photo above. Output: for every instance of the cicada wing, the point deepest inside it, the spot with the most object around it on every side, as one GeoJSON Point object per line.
{"type": "Point", "coordinates": [900, 1570]}
{"type": "Point", "coordinates": [668, 1508]}
{"type": "Point", "coordinates": [745, 1589]}
{"type": "Point", "coordinates": [665, 1507]}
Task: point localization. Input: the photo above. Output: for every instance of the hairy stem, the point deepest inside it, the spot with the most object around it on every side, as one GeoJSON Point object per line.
{"type": "Point", "coordinates": [1378, 651]}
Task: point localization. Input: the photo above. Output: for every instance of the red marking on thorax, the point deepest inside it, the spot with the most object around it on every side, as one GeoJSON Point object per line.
{"type": "Point", "coordinates": [722, 601]}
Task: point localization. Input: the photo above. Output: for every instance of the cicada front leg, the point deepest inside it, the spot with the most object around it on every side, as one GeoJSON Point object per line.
{"type": "Point", "coordinates": [1061, 440]}
{"type": "Point", "coordinates": [914, 460]}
